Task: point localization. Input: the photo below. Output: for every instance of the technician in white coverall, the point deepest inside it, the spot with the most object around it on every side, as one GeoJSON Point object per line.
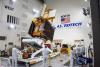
{"type": "Point", "coordinates": [45, 52]}
{"type": "Point", "coordinates": [72, 57]}
{"type": "Point", "coordinates": [14, 56]}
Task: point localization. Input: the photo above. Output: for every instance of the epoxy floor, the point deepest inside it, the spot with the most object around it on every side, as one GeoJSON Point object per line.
{"type": "Point", "coordinates": [55, 62]}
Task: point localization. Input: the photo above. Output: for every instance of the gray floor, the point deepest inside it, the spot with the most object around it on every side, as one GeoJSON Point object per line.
{"type": "Point", "coordinates": [55, 62]}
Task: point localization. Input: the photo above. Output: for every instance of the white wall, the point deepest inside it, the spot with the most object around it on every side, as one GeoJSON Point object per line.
{"type": "Point", "coordinates": [22, 10]}
{"type": "Point", "coordinates": [74, 8]}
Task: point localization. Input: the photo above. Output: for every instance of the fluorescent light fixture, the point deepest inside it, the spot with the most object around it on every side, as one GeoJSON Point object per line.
{"type": "Point", "coordinates": [36, 11]}
{"type": "Point", "coordinates": [13, 0]}
{"type": "Point", "coordinates": [88, 25]}
{"type": "Point", "coordinates": [86, 0]}
{"type": "Point", "coordinates": [12, 26]}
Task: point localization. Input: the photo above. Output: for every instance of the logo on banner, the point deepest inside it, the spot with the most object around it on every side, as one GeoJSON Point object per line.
{"type": "Point", "coordinates": [65, 19]}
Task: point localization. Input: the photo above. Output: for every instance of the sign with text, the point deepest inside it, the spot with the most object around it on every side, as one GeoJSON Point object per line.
{"type": "Point", "coordinates": [68, 25]}
{"type": "Point", "coordinates": [83, 60]}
